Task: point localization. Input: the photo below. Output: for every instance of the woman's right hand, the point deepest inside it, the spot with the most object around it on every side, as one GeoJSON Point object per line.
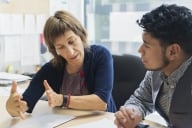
{"type": "Point", "coordinates": [54, 99]}
{"type": "Point", "coordinates": [15, 105]}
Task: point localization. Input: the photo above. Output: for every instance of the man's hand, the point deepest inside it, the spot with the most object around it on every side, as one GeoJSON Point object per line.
{"type": "Point", "coordinates": [127, 117]}
{"type": "Point", "coordinates": [54, 99]}
{"type": "Point", "coordinates": [15, 105]}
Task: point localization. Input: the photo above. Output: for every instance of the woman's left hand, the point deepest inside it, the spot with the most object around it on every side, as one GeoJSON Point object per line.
{"type": "Point", "coordinates": [54, 99]}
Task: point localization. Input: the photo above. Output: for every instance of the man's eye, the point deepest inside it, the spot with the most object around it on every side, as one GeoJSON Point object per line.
{"type": "Point", "coordinates": [146, 46]}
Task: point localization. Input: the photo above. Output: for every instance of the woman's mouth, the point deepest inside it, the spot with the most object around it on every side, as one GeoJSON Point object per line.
{"type": "Point", "coordinates": [74, 57]}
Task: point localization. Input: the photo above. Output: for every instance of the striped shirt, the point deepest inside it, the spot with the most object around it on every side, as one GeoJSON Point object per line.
{"type": "Point", "coordinates": [169, 84]}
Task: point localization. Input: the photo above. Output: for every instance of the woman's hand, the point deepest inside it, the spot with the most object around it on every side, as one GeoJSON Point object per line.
{"type": "Point", "coordinates": [127, 117]}
{"type": "Point", "coordinates": [54, 99]}
{"type": "Point", "coordinates": [15, 105]}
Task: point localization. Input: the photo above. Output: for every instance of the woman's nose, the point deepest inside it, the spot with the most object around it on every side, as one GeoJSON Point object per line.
{"type": "Point", "coordinates": [70, 51]}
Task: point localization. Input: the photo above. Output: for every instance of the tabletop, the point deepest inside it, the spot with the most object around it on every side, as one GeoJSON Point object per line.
{"type": "Point", "coordinates": [79, 117]}
{"type": "Point", "coordinates": [42, 108]}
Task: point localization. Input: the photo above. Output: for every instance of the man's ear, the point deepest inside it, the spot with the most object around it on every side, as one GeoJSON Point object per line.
{"type": "Point", "coordinates": [173, 51]}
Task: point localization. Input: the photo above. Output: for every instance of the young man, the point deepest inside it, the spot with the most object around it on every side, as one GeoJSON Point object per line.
{"type": "Point", "coordinates": [166, 53]}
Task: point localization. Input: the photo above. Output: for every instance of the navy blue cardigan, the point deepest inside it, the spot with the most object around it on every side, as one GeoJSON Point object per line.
{"type": "Point", "coordinates": [98, 70]}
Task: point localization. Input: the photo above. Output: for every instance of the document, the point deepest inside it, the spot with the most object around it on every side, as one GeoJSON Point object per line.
{"type": "Point", "coordinates": [44, 121]}
{"type": "Point", "coordinates": [30, 50]}
{"type": "Point", "coordinates": [12, 47]}
{"type": "Point", "coordinates": [7, 78]}
{"type": "Point", "coordinates": [155, 117]}
{"type": "Point", "coordinates": [29, 24]}
{"type": "Point", "coordinates": [103, 123]}
{"type": "Point", "coordinates": [16, 24]}
{"type": "Point", "coordinates": [5, 23]}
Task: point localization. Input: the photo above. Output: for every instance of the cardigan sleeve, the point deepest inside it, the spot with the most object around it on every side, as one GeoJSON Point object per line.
{"type": "Point", "coordinates": [100, 72]}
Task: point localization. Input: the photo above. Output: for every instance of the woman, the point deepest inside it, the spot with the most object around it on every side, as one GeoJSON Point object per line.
{"type": "Point", "coordinates": [78, 77]}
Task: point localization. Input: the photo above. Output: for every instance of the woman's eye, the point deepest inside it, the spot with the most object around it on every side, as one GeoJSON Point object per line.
{"type": "Point", "coordinates": [60, 47]}
{"type": "Point", "coordinates": [72, 41]}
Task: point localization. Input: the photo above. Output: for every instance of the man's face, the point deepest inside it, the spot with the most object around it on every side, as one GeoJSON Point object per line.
{"type": "Point", "coordinates": [152, 54]}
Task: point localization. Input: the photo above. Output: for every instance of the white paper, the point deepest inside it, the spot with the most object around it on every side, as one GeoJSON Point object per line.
{"type": "Point", "coordinates": [7, 78]}
{"type": "Point", "coordinates": [155, 117]}
{"type": "Point", "coordinates": [5, 23]}
{"type": "Point", "coordinates": [12, 48]}
{"type": "Point", "coordinates": [29, 24]}
{"type": "Point", "coordinates": [16, 24]}
{"type": "Point", "coordinates": [103, 123]}
{"type": "Point", "coordinates": [43, 121]}
{"type": "Point", "coordinates": [40, 22]}
{"type": "Point", "coordinates": [11, 76]}
{"type": "Point", "coordinates": [30, 50]}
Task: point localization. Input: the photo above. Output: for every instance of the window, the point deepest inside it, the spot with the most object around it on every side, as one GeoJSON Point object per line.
{"type": "Point", "coordinates": [112, 23]}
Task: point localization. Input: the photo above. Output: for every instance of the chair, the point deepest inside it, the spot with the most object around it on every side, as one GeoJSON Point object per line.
{"type": "Point", "coordinates": [128, 73]}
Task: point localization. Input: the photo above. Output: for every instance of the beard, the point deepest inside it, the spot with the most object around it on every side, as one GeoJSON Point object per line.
{"type": "Point", "coordinates": [165, 63]}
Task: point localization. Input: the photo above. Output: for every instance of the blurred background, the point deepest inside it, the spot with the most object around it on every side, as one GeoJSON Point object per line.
{"type": "Point", "coordinates": [111, 23]}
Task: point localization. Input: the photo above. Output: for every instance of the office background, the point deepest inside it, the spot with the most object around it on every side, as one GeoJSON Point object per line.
{"type": "Point", "coordinates": [111, 23]}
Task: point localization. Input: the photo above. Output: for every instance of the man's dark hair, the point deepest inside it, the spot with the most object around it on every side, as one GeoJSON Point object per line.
{"type": "Point", "coordinates": [170, 24]}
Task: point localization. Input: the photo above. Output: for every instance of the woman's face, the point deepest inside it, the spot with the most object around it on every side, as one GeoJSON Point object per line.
{"type": "Point", "coordinates": [70, 47]}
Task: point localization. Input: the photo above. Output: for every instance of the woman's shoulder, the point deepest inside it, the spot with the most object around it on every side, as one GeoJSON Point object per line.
{"type": "Point", "coordinates": [98, 47]}
{"type": "Point", "coordinates": [50, 66]}
{"type": "Point", "coordinates": [99, 50]}
{"type": "Point", "coordinates": [98, 53]}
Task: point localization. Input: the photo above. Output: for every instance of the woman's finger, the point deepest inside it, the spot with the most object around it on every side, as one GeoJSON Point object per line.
{"type": "Point", "coordinates": [46, 85]}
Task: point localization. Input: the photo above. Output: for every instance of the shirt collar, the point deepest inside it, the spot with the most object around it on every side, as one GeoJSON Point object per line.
{"type": "Point", "coordinates": [178, 73]}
